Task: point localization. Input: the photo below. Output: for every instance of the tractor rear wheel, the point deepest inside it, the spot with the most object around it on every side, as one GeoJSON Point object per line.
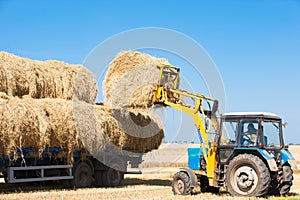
{"type": "Point", "coordinates": [288, 180]}
{"type": "Point", "coordinates": [181, 184]}
{"type": "Point", "coordinates": [247, 175]}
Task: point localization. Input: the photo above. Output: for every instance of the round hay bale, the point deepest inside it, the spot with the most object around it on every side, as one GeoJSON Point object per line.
{"type": "Point", "coordinates": [21, 125]}
{"type": "Point", "coordinates": [48, 79]}
{"type": "Point", "coordinates": [41, 123]}
{"type": "Point", "coordinates": [138, 131]}
{"type": "Point", "coordinates": [131, 78]}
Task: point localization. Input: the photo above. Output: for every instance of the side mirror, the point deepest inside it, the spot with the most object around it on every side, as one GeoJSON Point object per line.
{"type": "Point", "coordinates": [285, 124]}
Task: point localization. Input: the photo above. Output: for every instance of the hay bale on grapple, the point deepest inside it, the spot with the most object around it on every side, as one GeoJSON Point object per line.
{"type": "Point", "coordinates": [139, 132]}
{"type": "Point", "coordinates": [131, 78]}
{"type": "Point", "coordinates": [128, 86]}
{"type": "Point", "coordinates": [48, 79]}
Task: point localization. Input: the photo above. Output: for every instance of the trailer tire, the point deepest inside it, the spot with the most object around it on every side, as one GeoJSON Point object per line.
{"type": "Point", "coordinates": [247, 175]}
{"type": "Point", "coordinates": [5, 177]}
{"type": "Point", "coordinates": [83, 175]}
{"type": "Point", "coordinates": [99, 178]}
{"type": "Point", "coordinates": [285, 187]}
{"type": "Point", "coordinates": [113, 176]}
{"type": "Point", "coordinates": [181, 184]}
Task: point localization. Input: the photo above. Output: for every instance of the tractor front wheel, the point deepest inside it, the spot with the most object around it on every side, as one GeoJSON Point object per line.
{"type": "Point", "coordinates": [181, 184]}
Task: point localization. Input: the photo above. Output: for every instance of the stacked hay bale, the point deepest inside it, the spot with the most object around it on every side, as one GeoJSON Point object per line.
{"type": "Point", "coordinates": [48, 79]}
{"type": "Point", "coordinates": [40, 102]}
{"type": "Point", "coordinates": [51, 104]}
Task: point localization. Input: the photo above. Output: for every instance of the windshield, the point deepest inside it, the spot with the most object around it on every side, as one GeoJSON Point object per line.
{"type": "Point", "coordinates": [271, 130]}
{"type": "Point", "coordinates": [253, 132]}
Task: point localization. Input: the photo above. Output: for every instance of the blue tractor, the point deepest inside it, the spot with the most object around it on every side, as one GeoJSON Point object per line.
{"type": "Point", "coordinates": [251, 159]}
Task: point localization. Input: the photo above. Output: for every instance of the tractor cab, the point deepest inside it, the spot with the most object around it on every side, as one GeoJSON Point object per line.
{"type": "Point", "coordinates": [252, 157]}
{"type": "Point", "coordinates": [243, 131]}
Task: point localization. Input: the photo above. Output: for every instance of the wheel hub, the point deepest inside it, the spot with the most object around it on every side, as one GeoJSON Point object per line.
{"type": "Point", "coordinates": [84, 176]}
{"type": "Point", "coordinates": [180, 186]}
{"type": "Point", "coordinates": [115, 177]}
{"type": "Point", "coordinates": [245, 179]}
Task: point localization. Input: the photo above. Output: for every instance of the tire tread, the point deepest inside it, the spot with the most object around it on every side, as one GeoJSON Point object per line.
{"type": "Point", "coordinates": [185, 178]}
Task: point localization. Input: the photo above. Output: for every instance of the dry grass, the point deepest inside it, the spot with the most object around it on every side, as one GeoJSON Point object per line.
{"type": "Point", "coordinates": [295, 149]}
{"type": "Point", "coordinates": [132, 188]}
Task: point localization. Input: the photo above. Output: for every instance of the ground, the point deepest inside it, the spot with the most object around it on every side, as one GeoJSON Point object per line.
{"type": "Point", "coordinates": [154, 183]}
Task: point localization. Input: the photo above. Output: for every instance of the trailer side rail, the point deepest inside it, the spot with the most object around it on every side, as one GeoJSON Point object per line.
{"type": "Point", "coordinates": [11, 178]}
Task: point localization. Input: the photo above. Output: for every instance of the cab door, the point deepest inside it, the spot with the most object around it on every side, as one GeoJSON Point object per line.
{"type": "Point", "coordinates": [228, 139]}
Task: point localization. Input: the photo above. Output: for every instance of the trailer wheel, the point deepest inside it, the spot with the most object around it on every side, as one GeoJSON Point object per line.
{"type": "Point", "coordinates": [288, 180]}
{"type": "Point", "coordinates": [5, 177]}
{"type": "Point", "coordinates": [247, 175]}
{"type": "Point", "coordinates": [181, 184]}
{"type": "Point", "coordinates": [83, 175]}
{"type": "Point", "coordinates": [99, 178]}
{"type": "Point", "coordinates": [113, 176]}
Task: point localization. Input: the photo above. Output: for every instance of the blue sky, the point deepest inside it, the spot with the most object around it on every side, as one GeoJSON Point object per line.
{"type": "Point", "coordinates": [255, 44]}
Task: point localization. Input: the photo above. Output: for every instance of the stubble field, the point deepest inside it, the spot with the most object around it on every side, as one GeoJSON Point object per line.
{"type": "Point", "coordinates": [154, 183]}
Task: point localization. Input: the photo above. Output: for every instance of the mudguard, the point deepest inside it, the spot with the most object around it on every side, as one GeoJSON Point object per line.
{"type": "Point", "coordinates": [287, 157]}
{"type": "Point", "coordinates": [268, 157]}
{"type": "Point", "coordinates": [191, 175]}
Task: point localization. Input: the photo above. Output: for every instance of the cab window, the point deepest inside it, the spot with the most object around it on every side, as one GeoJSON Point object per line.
{"type": "Point", "coordinates": [248, 132]}
{"type": "Point", "coordinates": [271, 133]}
{"type": "Point", "coordinates": [229, 132]}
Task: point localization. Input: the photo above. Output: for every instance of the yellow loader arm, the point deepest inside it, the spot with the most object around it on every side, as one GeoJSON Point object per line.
{"type": "Point", "coordinates": [168, 94]}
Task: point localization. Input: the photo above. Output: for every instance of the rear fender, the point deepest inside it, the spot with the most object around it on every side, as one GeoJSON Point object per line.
{"type": "Point", "coordinates": [191, 174]}
{"type": "Point", "coordinates": [288, 158]}
{"type": "Point", "coordinates": [268, 158]}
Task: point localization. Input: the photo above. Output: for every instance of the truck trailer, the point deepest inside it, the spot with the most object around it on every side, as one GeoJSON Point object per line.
{"type": "Point", "coordinates": [105, 169]}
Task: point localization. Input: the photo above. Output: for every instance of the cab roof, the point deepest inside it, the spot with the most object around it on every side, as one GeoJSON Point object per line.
{"type": "Point", "coordinates": [251, 115]}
